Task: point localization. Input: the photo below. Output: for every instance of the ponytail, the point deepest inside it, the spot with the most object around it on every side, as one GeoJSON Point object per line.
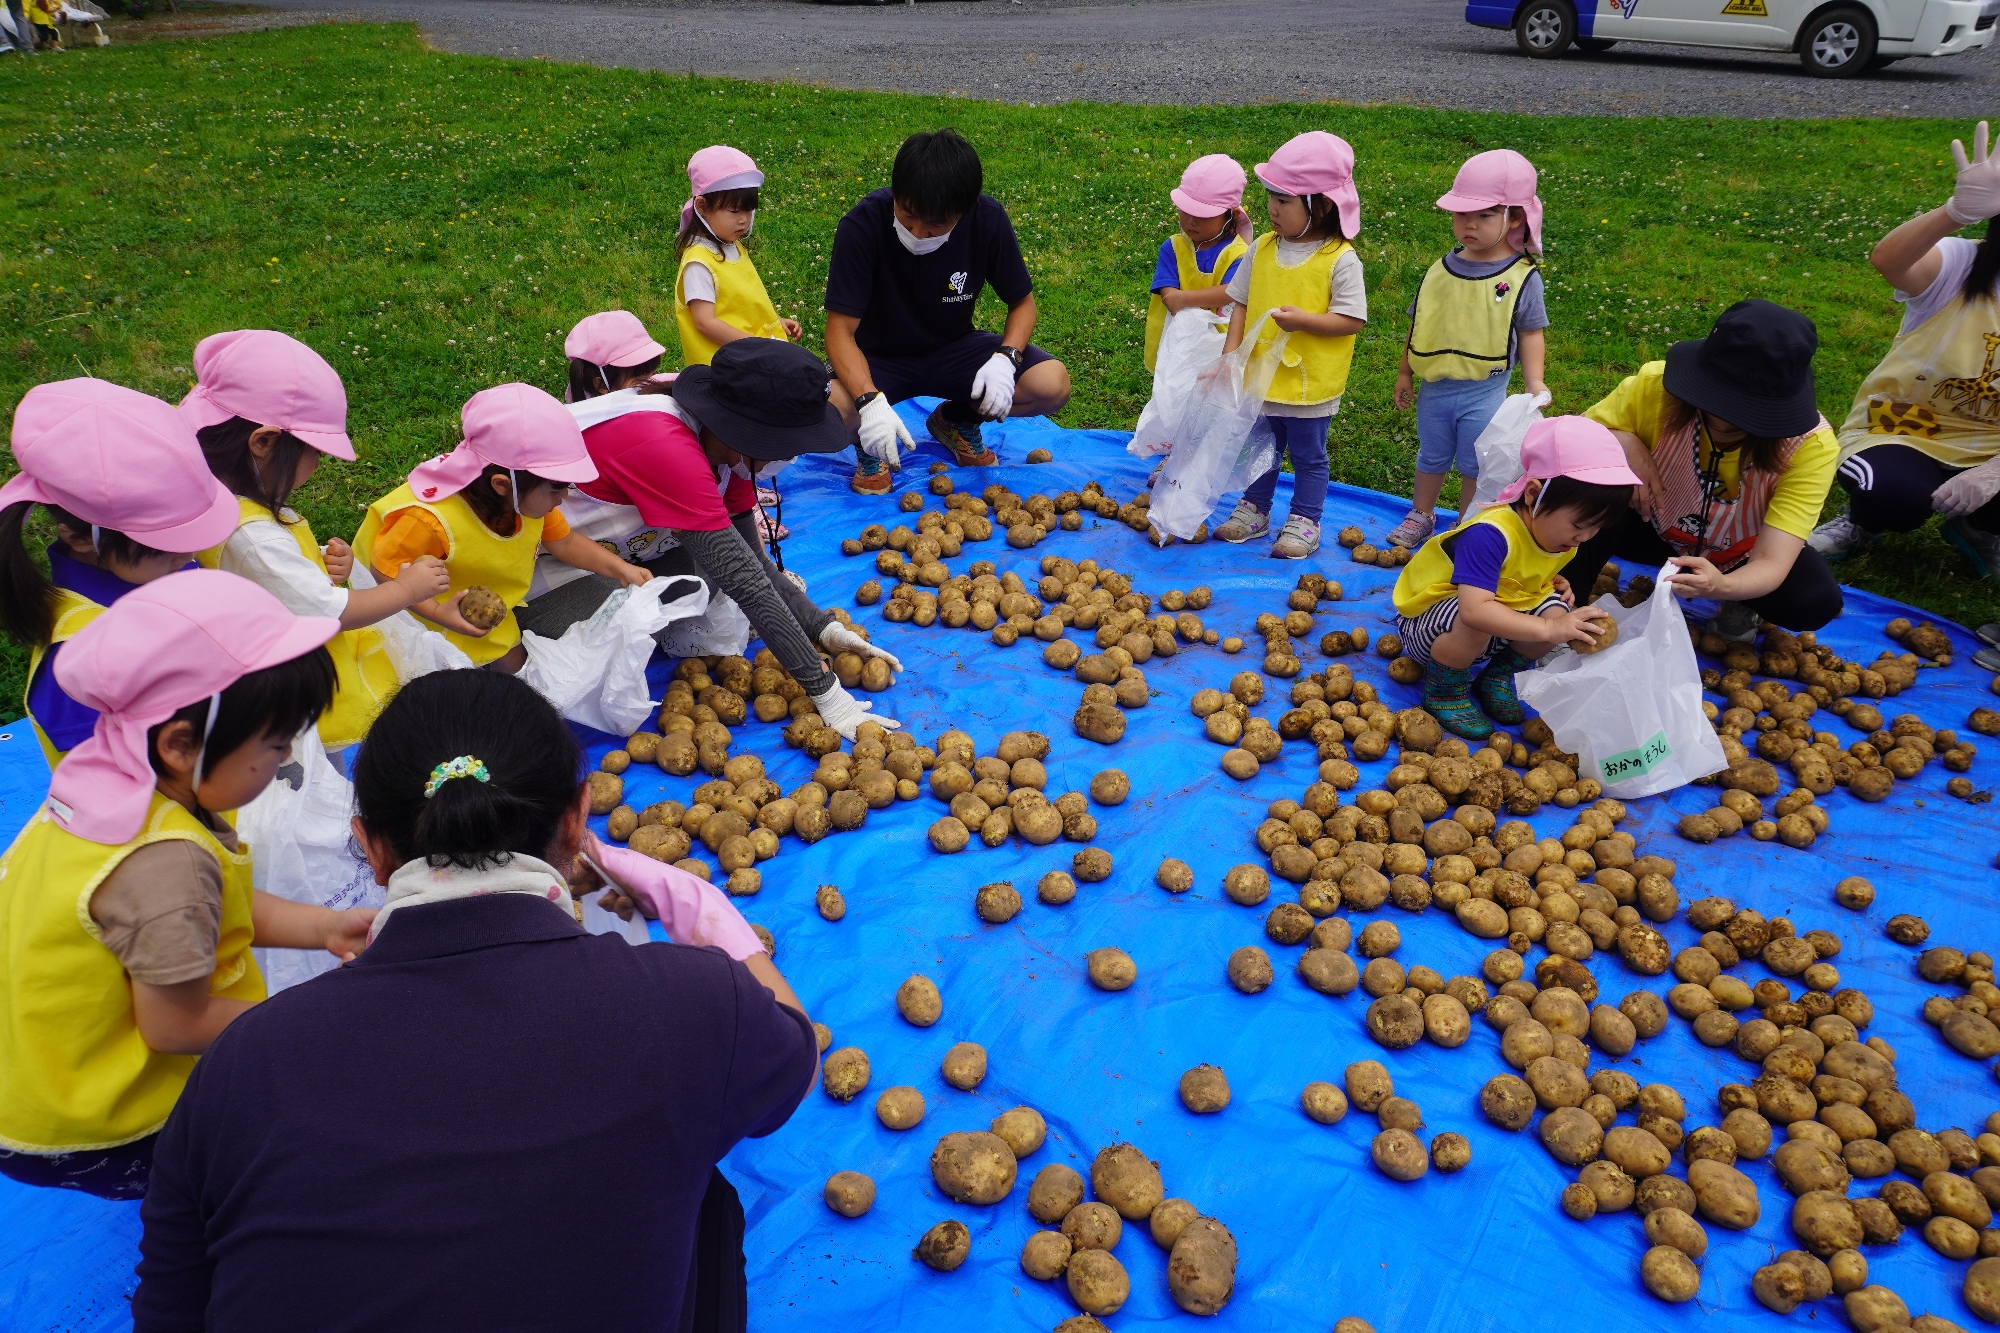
{"type": "Point", "coordinates": [27, 598]}
{"type": "Point", "coordinates": [1983, 278]}
{"type": "Point", "coordinates": [532, 766]}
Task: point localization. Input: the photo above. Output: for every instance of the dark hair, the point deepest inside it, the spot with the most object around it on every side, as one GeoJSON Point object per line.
{"type": "Point", "coordinates": [1983, 278]}
{"type": "Point", "coordinates": [937, 176]}
{"type": "Point", "coordinates": [226, 445]}
{"type": "Point", "coordinates": [27, 597]}
{"type": "Point", "coordinates": [1593, 505]}
{"type": "Point", "coordinates": [584, 377]}
{"type": "Point", "coordinates": [1324, 214]}
{"type": "Point", "coordinates": [533, 767]}
{"type": "Point", "coordinates": [738, 201]}
{"type": "Point", "coordinates": [280, 700]}
{"type": "Point", "coordinates": [1759, 451]}
{"type": "Point", "coordinates": [486, 502]}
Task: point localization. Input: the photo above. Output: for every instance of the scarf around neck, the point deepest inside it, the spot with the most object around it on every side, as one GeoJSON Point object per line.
{"type": "Point", "coordinates": [419, 882]}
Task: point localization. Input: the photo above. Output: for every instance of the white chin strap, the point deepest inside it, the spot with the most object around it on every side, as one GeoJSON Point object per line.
{"type": "Point", "coordinates": [207, 730]}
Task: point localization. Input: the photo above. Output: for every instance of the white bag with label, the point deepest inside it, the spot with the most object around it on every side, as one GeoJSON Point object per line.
{"type": "Point", "coordinates": [301, 848]}
{"type": "Point", "coordinates": [1218, 445]}
{"type": "Point", "coordinates": [1498, 448]}
{"type": "Point", "coordinates": [1632, 712]}
{"type": "Point", "coordinates": [595, 674]}
{"type": "Point", "coordinates": [1190, 343]}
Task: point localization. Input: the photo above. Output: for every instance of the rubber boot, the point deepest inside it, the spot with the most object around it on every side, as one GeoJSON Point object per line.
{"type": "Point", "coordinates": [1495, 687]}
{"type": "Point", "coordinates": [1447, 697]}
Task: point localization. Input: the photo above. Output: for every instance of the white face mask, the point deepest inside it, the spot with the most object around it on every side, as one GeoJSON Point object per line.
{"type": "Point", "coordinates": [919, 245]}
{"type": "Point", "coordinates": [772, 469]}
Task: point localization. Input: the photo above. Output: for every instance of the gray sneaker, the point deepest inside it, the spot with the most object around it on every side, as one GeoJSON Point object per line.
{"type": "Point", "coordinates": [1245, 523]}
{"type": "Point", "coordinates": [1978, 545]}
{"type": "Point", "coordinates": [1839, 538]}
{"type": "Point", "coordinates": [1415, 529]}
{"type": "Point", "coordinates": [1298, 539]}
{"type": "Point", "coordinates": [1735, 622]}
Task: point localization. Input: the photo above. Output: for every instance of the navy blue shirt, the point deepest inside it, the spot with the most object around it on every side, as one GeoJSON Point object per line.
{"type": "Point", "coordinates": [490, 1120]}
{"type": "Point", "coordinates": [911, 304]}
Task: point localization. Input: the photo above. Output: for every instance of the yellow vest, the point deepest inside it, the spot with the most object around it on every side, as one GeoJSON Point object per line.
{"type": "Point", "coordinates": [1314, 367]}
{"type": "Point", "coordinates": [367, 676]}
{"type": "Point", "coordinates": [1937, 391]}
{"type": "Point", "coordinates": [74, 1072]}
{"type": "Point", "coordinates": [73, 612]}
{"type": "Point", "coordinates": [1191, 279]}
{"type": "Point", "coordinates": [1463, 326]}
{"type": "Point", "coordinates": [1527, 577]}
{"type": "Point", "coordinates": [740, 301]}
{"type": "Point", "coordinates": [478, 557]}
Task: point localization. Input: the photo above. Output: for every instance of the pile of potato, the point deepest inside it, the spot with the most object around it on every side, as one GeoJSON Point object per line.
{"type": "Point", "coordinates": [1363, 553]}
{"type": "Point", "coordinates": [1964, 1022]}
{"type": "Point", "coordinates": [1001, 794]}
{"type": "Point", "coordinates": [1396, 1150]}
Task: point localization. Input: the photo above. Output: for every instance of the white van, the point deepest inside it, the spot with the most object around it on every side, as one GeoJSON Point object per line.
{"type": "Point", "coordinates": [1833, 38]}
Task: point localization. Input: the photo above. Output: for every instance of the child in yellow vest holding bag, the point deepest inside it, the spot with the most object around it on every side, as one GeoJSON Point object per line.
{"type": "Point", "coordinates": [266, 408]}
{"type": "Point", "coordinates": [1480, 309]}
{"type": "Point", "coordinates": [1490, 593]}
{"type": "Point", "coordinates": [718, 296]}
{"type": "Point", "coordinates": [1197, 260]}
{"type": "Point", "coordinates": [1307, 277]}
{"type": "Point", "coordinates": [127, 914]}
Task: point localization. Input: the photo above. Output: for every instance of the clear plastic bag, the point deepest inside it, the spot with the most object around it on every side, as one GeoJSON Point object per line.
{"type": "Point", "coordinates": [1498, 448]}
{"type": "Point", "coordinates": [1216, 448]}
{"type": "Point", "coordinates": [595, 674]}
{"type": "Point", "coordinates": [302, 849]}
{"type": "Point", "coordinates": [1190, 343]}
{"type": "Point", "coordinates": [1631, 713]}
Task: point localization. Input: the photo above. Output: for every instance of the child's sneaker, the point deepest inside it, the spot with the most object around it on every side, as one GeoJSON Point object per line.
{"type": "Point", "coordinates": [962, 438]}
{"type": "Point", "coordinates": [1447, 697]}
{"type": "Point", "coordinates": [1247, 522]}
{"type": "Point", "coordinates": [1415, 529]}
{"type": "Point", "coordinates": [870, 477]}
{"type": "Point", "coordinates": [1298, 539]}
{"type": "Point", "coordinates": [1495, 687]}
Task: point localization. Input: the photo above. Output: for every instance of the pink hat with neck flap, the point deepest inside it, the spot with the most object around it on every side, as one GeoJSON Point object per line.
{"type": "Point", "coordinates": [1317, 163]}
{"type": "Point", "coordinates": [515, 426]}
{"type": "Point", "coordinates": [716, 168]}
{"type": "Point", "coordinates": [1569, 447]}
{"type": "Point", "coordinates": [611, 338]}
{"type": "Point", "coordinates": [1212, 187]}
{"type": "Point", "coordinates": [159, 648]}
{"type": "Point", "coordinates": [117, 458]}
{"type": "Point", "coordinates": [272, 379]}
{"type": "Point", "coordinates": [1501, 178]}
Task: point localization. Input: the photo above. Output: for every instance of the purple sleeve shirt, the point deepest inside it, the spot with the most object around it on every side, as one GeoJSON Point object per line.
{"type": "Point", "coordinates": [1477, 555]}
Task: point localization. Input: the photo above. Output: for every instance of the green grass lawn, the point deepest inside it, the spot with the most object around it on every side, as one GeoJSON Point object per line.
{"type": "Point", "coordinates": [434, 224]}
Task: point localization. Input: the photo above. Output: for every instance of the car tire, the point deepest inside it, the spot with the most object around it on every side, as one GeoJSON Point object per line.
{"type": "Point", "coordinates": [1837, 44]}
{"type": "Point", "coordinates": [1596, 45]}
{"type": "Point", "coordinates": [1544, 29]}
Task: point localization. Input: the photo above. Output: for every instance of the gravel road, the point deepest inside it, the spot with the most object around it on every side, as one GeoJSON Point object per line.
{"type": "Point", "coordinates": [1181, 51]}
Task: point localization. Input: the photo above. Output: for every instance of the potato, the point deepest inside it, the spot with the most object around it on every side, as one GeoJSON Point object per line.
{"type": "Point", "coordinates": [1247, 885]}
{"type": "Point", "coordinates": [997, 903]}
{"type": "Point", "coordinates": [1982, 1289]}
{"type": "Point", "coordinates": [900, 1107]}
{"type": "Point", "coordinates": [844, 1073]}
{"type": "Point", "coordinates": [1098, 1282]}
{"type": "Point", "coordinates": [965, 1066]}
{"type": "Point", "coordinates": [1324, 1103]}
{"type": "Point", "coordinates": [1022, 1129]}
{"type": "Point", "coordinates": [945, 1246]}
{"type": "Point", "coordinates": [1091, 865]}
{"type": "Point", "coordinates": [1204, 1089]}
{"type": "Point", "coordinates": [1825, 1223]}
{"type": "Point", "coordinates": [1250, 969]}
{"type": "Point", "coordinates": [482, 607]}
{"type": "Point", "coordinates": [1169, 1220]}
{"type": "Point", "coordinates": [1103, 723]}
{"type": "Point", "coordinates": [1451, 1153]}
{"type": "Point", "coordinates": [1110, 787]}
{"type": "Point", "coordinates": [849, 1193]}
{"type": "Point", "coordinates": [1955, 1196]}
{"type": "Point", "coordinates": [1873, 1308]}
{"type": "Point", "coordinates": [1399, 1155]}
{"type": "Point", "coordinates": [1125, 1180]}
{"type": "Point", "coordinates": [1508, 1101]}
{"type": "Point", "coordinates": [823, 1035]}
{"type": "Point", "coordinates": [1092, 1226]}
{"type": "Point", "coordinates": [974, 1167]}
{"type": "Point", "coordinates": [917, 999]}
{"type": "Point", "coordinates": [1045, 1255]}
{"type": "Point", "coordinates": [1057, 1190]}
{"type": "Point", "coordinates": [1395, 1021]}
{"type": "Point", "coordinates": [607, 792]}
{"type": "Point", "coordinates": [1175, 876]}
{"type": "Point", "coordinates": [1669, 1274]}
{"type": "Point", "coordinates": [1672, 1226]}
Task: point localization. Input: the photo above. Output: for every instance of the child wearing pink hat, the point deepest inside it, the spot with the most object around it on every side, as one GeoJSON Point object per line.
{"type": "Point", "coordinates": [1478, 313]}
{"type": "Point", "coordinates": [1305, 274]}
{"type": "Point", "coordinates": [266, 408]}
{"type": "Point", "coordinates": [718, 296]}
{"type": "Point", "coordinates": [127, 914]}
{"type": "Point", "coordinates": [122, 476]}
{"type": "Point", "coordinates": [486, 509]}
{"type": "Point", "coordinates": [1198, 259]}
{"type": "Point", "coordinates": [1490, 592]}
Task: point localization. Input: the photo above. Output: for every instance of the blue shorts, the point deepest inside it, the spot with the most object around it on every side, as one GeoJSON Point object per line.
{"type": "Point", "coordinates": [1426, 628]}
{"type": "Point", "coordinates": [1450, 415]}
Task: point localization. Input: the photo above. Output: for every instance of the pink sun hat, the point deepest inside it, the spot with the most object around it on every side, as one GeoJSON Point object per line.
{"type": "Point", "coordinates": [272, 379]}
{"type": "Point", "coordinates": [162, 646]}
{"type": "Point", "coordinates": [515, 426]}
{"type": "Point", "coordinates": [1211, 187]}
{"type": "Point", "coordinates": [716, 168]}
{"type": "Point", "coordinates": [120, 459]}
{"type": "Point", "coordinates": [1317, 163]}
{"type": "Point", "coordinates": [1570, 447]}
{"type": "Point", "coordinates": [1500, 178]}
{"type": "Point", "coordinates": [611, 338]}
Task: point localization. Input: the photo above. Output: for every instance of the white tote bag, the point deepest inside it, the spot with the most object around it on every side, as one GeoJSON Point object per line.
{"type": "Point", "coordinates": [1190, 343]}
{"type": "Point", "coordinates": [1215, 448]}
{"type": "Point", "coordinates": [301, 848]}
{"type": "Point", "coordinates": [595, 673]}
{"type": "Point", "coordinates": [1498, 448]}
{"type": "Point", "coordinates": [1632, 712]}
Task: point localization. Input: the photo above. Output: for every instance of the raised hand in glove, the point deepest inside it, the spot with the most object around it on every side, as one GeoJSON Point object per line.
{"type": "Point", "coordinates": [843, 712]}
{"type": "Point", "coordinates": [882, 430]}
{"type": "Point", "coordinates": [1977, 195]}
{"type": "Point", "coordinates": [838, 638]}
{"type": "Point", "coordinates": [993, 387]}
{"type": "Point", "coordinates": [1969, 490]}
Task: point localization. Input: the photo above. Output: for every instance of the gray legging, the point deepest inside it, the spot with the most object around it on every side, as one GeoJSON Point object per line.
{"type": "Point", "coordinates": [731, 561]}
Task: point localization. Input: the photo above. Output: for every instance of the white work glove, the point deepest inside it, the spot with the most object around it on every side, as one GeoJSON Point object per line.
{"type": "Point", "coordinates": [1977, 195]}
{"type": "Point", "coordinates": [993, 387]}
{"type": "Point", "coordinates": [843, 712]}
{"type": "Point", "coordinates": [881, 428]}
{"type": "Point", "coordinates": [1969, 490]}
{"type": "Point", "coordinates": [837, 638]}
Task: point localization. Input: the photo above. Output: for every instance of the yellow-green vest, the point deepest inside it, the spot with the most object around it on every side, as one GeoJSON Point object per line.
{"type": "Point", "coordinates": [73, 611]}
{"type": "Point", "coordinates": [1527, 577]}
{"type": "Point", "coordinates": [1191, 279]}
{"type": "Point", "coordinates": [740, 301]}
{"type": "Point", "coordinates": [1464, 326]}
{"type": "Point", "coordinates": [477, 556]}
{"type": "Point", "coordinates": [1314, 368]}
{"type": "Point", "coordinates": [75, 1074]}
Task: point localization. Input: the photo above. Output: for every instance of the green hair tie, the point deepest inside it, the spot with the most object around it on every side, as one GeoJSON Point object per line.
{"type": "Point", "coordinates": [465, 766]}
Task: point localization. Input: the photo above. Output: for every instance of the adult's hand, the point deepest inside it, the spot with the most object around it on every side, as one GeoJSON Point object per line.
{"type": "Point", "coordinates": [993, 387]}
{"type": "Point", "coordinates": [837, 638]}
{"type": "Point", "coordinates": [1697, 576]}
{"type": "Point", "coordinates": [1977, 194]}
{"type": "Point", "coordinates": [844, 713]}
{"type": "Point", "coordinates": [882, 430]}
{"type": "Point", "coordinates": [1969, 490]}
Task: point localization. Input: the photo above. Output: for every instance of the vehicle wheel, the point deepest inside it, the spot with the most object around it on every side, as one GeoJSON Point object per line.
{"type": "Point", "coordinates": [1596, 45]}
{"type": "Point", "coordinates": [1544, 29]}
{"type": "Point", "coordinates": [1838, 44]}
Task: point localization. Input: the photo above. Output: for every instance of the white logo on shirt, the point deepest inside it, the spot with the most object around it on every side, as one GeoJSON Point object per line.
{"type": "Point", "coordinates": [958, 282]}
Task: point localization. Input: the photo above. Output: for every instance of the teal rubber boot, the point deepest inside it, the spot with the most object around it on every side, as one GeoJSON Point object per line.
{"type": "Point", "coordinates": [1448, 698]}
{"type": "Point", "coordinates": [1495, 687]}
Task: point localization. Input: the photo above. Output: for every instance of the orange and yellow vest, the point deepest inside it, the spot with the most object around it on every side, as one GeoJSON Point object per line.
{"type": "Point", "coordinates": [478, 557]}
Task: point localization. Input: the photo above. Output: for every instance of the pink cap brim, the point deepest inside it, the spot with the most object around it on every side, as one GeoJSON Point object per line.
{"type": "Point", "coordinates": [582, 469]}
{"type": "Point", "coordinates": [327, 442]}
{"type": "Point", "coordinates": [1201, 208]}
{"type": "Point", "coordinates": [1616, 475]}
{"type": "Point", "coordinates": [201, 411]}
{"type": "Point", "coordinates": [1453, 202]}
{"type": "Point", "coordinates": [211, 528]}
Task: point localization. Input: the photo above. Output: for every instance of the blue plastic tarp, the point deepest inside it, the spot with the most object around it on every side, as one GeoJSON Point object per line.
{"type": "Point", "coordinates": [1320, 1231]}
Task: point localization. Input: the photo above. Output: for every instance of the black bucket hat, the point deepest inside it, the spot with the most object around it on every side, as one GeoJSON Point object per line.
{"type": "Point", "coordinates": [1754, 370]}
{"type": "Point", "coordinates": [766, 399]}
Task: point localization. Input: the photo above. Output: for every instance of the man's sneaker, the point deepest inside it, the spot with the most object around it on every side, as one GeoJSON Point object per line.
{"type": "Point", "coordinates": [1298, 539]}
{"type": "Point", "coordinates": [1735, 622]}
{"type": "Point", "coordinates": [871, 477]}
{"type": "Point", "coordinates": [962, 438]}
{"type": "Point", "coordinates": [1245, 523]}
{"type": "Point", "coordinates": [1839, 538]}
{"type": "Point", "coordinates": [1978, 545]}
{"type": "Point", "coordinates": [1414, 530]}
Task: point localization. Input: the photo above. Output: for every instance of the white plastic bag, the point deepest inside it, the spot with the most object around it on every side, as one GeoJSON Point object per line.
{"type": "Point", "coordinates": [1498, 448]}
{"type": "Point", "coordinates": [301, 848]}
{"type": "Point", "coordinates": [1190, 343]}
{"type": "Point", "coordinates": [595, 673]}
{"type": "Point", "coordinates": [1631, 713]}
{"type": "Point", "coordinates": [414, 649]}
{"type": "Point", "coordinates": [722, 630]}
{"type": "Point", "coordinates": [1215, 450]}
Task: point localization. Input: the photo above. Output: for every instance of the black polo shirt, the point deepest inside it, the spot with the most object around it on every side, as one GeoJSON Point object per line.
{"type": "Point", "coordinates": [911, 304]}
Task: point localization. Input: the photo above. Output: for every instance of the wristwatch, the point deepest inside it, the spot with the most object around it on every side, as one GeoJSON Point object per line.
{"type": "Point", "coordinates": [866, 399]}
{"type": "Point", "coordinates": [1013, 354]}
